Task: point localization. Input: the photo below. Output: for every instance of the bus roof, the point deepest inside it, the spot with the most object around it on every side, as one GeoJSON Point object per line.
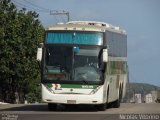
{"type": "Point", "coordinates": [86, 26]}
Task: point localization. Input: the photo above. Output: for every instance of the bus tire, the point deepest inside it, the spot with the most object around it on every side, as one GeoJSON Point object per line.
{"type": "Point", "coordinates": [116, 104]}
{"type": "Point", "coordinates": [107, 103]}
{"type": "Point", "coordinates": [101, 107]}
{"type": "Point", "coordinates": [52, 106]}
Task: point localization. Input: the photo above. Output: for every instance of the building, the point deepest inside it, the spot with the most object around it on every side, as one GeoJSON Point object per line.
{"type": "Point", "coordinates": [155, 95]}
{"type": "Point", "coordinates": [149, 98]}
{"type": "Point", "coordinates": [138, 98]}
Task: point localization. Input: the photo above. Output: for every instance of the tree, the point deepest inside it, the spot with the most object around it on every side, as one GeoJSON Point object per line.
{"type": "Point", "coordinates": [20, 34]}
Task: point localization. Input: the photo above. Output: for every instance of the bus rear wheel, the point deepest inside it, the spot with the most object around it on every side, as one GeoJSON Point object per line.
{"type": "Point", "coordinates": [52, 106]}
{"type": "Point", "coordinates": [116, 104]}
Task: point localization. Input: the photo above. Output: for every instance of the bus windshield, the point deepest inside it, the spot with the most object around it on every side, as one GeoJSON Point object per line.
{"type": "Point", "coordinates": [71, 63]}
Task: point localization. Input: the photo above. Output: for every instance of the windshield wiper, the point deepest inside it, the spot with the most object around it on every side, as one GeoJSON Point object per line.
{"type": "Point", "coordinates": [85, 81]}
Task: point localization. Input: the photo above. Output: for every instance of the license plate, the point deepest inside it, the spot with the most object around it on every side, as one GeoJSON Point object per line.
{"type": "Point", "coordinates": [71, 101]}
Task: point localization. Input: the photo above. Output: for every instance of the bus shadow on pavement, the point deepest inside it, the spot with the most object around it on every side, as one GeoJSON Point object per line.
{"type": "Point", "coordinates": [28, 107]}
{"type": "Point", "coordinates": [44, 107]}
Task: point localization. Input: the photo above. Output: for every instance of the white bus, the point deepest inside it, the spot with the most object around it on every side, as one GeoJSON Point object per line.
{"type": "Point", "coordinates": [83, 63]}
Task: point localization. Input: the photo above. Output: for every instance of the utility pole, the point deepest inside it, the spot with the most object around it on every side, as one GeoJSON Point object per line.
{"type": "Point", "coordinates": [55, 12]}
{"type": "Point", "coordinates": [128, 85]}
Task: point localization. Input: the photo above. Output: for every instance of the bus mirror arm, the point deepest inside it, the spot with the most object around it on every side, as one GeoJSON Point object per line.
{"type": "Point", "coordinates": [103, 59]}
{"type": "Point", "coordinates": [39, 64]}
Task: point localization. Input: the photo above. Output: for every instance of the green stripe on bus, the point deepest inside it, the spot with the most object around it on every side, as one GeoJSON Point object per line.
{"type": "Point", "coordinates": [74, 86]}
{"type": "Point", "coordinates": [78, 86]}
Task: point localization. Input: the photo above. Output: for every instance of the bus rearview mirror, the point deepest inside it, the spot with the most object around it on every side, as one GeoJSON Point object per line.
{"type": "Point", "coordinates": [39, 52]}
{"type": "Point", "coordinates": [105, 55]}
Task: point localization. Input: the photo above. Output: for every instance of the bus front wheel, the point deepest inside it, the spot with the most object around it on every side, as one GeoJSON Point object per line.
{"type": "Point", "coordinates": [52, 106]}
{"type": "Point", "coordinates": [101, 107]}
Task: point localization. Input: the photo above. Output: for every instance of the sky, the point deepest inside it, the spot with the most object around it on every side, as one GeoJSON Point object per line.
{"type": "Point", "coordinates": [140, 19]}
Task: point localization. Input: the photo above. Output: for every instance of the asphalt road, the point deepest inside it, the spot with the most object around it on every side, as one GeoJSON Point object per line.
{"type": "Point", "coordinates": [40, 112]}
